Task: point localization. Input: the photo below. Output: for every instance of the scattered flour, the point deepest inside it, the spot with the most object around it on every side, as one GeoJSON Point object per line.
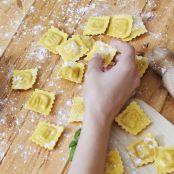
{"type": "Point", "coordinates": [24, 152]}
{"type": "Point", "coordinates": [155, 35]}
{"type": "Point", "coordinates": [32, 10]}
{"type": "Point", "coordinates": [62, 114]}
{"type": "Point", "coordinates": [37, 52]}
{"type": "Point", "coordinates": [37, 29]}
{"type": "Point", "coordinates": [148, 16]}
{"type": "Point", "coordinates": [10, 72]}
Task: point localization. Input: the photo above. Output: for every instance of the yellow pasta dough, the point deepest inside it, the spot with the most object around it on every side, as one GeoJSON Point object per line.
{"type": "Point", "coordinates": [137, 29]}
{"type": "Point", "coordinates": [24, 79]}
{"type": "Point", "coordinates": [46, 135]}
{"type": "Point", "coordinates": [120, 26]}
{"type": "Point", "coordinates": [164, 159]}
{"type": "Point", "coordinates": [72, 71]}
{"type": "Point", "coordinates": [142, 65]}
{"type": "Point", "coordinates": [87, 41]}
{"type": "Point", "coordinates": [107, 51]}
{"type": "Point", "coordinates": [41, 101]}
{"type": "Point", "coordinates": [142, 151]}
{"type": "Point", "coordinates": [77, 110]}
{"type": "Point", "coordinates": [96, 25]}
{"type": "Point", "coordinates": [114, 164]}
{"type": "Point", "coordinates": [133, 119]}
{"type": "Point", "coordinates": [72, 49]}
{"type": "Point", "coordinates": [52, 38]}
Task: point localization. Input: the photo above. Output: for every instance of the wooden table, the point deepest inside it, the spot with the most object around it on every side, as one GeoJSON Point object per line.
{"type": "Point", "coordinates": [22, 23]}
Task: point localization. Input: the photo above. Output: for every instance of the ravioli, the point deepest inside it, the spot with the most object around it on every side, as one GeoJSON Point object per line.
{"type": "Point", "coordinates": [77, 110]}
{"type": "Point", "coordinates": [41, 102]}
{"type": "Point", "coordinates": [142, 151]}
{"type": "Point", "coordinates": [164, 159]}
{"type": "Point", "coordinates": [88, 41]}
{"type": "Point", "coordinates": [142, 65]}
{"type": "Point", "coordinates": [72, 49]}
{"type": "Point", "coordinates": [120, 26]}
{"type": "Point", "coordinates": [72, 71]}
{"type": "Point", "coordinates": [96, 25]}
{"type": "Point", "coordinates": [137, 29]}
{"type": "Point", "coordinates": [106, 50]}
{"type": "Point", "coordinates": [52, 38]}
{"type": "Point", "coordinates": [133, 119]}
{"type": "Point", "coordinates": [24, 79]}
{"type": "Point", "coordinates": [46, 135]}
{"type": "Point", "coordinates": [114, 164]}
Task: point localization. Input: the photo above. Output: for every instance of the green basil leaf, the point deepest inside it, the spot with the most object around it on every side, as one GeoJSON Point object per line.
{"type": "Point", "coordinates": [73, 143]}
{"type": "Point", "coordinates": [77, 134]}
{"type": "Point", "coordinates": [72, 151]}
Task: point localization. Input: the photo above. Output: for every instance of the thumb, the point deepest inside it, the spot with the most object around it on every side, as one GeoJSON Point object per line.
{"type": "Point", "coordinates": [96, 63]}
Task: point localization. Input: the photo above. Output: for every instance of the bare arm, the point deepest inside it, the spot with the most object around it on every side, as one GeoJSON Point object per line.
{"type": "Point", "coordinates": [105, 93]}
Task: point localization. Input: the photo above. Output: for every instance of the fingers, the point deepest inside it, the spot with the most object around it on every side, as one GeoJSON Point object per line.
{"type": "Point", "coordinates": [119, 45]}
{"type": "Point", "coordinates": [127, 52]}
{"type": "Point", "coordinates": [95, 63]}
{"type": "Point", "coordinates": [126, 56]}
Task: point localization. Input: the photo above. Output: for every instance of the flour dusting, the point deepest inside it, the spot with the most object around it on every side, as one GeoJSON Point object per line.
{"type": "Point", "coordinates": [37, 52]}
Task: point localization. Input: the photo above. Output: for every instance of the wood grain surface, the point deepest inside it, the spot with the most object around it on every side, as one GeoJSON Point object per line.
{"type": "Point", "coordinates": [19, 49]}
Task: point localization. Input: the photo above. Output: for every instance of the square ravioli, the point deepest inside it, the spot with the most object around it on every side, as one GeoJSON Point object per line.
{"type": "Point", "coordinates": [52, 38]}
{"type": "Point", "coordinates": [88, 41]}
{"type": "Point", "coordinates": [133, 119]}
{"type": "Point", "coordinates": [120, 26]}
{"type": "Point", "coordinates": [137, 29]}
{"type": "Point", "coordinates": [106, 50]}
{"type": "Point", "coordinates": [96, 25]}
{"type": "Point", "coordinates": [164, 159]}
{"type": "Point", "coordinates": [72, 71]}
{"type": "Point", "coordinates": [142, 65]}
{"type": "Point", "coordinates": [114, 164]}
{"type": "Point", "coordinates": [46, 135]}
{"type": "Point", "coordinates": [24, 79]}
{"type": "Point", "coordinates": [77, 110]}
{"type": "Point", "coordinates": [72, 49]}
{"type": "Point", "coordinates": [142, 151]}
{"type": "Point", "coordinates": [41, 101]}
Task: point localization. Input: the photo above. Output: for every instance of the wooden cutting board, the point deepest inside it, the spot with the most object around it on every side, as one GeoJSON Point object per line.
{"type": "Point", "coordinates": [162, 129]}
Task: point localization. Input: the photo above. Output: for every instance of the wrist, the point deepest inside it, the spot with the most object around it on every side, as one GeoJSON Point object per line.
{"type": "Point", "coordinates": [96, 129]}
{"type": "Point", "coordinates": [97, 120]}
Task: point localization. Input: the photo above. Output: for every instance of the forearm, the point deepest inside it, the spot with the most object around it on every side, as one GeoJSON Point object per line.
{"type": "Point", "coordinates": [105, 93]}
{"type": "Point", "coordinates": [91, 150]}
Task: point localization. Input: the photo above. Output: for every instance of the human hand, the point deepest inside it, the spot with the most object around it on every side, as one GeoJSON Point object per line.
{"type": "Point", "coordinates": [106, 92]}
